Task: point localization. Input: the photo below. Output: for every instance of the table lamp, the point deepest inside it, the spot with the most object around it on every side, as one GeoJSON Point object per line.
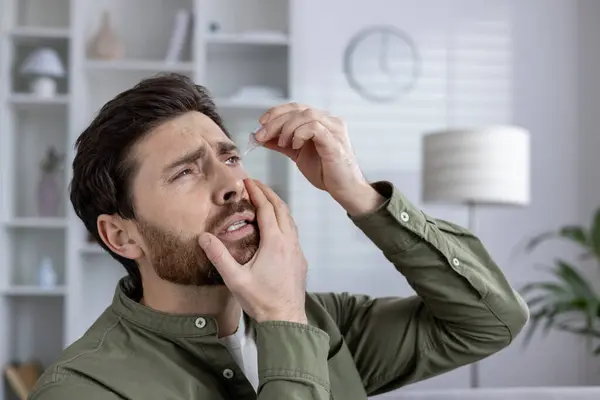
{"type": "Point", "coordinates": [486, 166]}
{"type": "Point", "coordinates": [44, 65]}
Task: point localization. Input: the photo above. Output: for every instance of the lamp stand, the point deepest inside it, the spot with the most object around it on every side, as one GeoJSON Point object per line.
{"type": "Point", "coordinates": [471, 226]}
{"type": "Point", "coordinates": [43, 86]}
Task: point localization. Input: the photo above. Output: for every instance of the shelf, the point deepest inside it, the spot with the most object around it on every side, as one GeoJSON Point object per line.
{"type": "Point", "coordinates": [248, 38]}
{"type": "Point", "coordinates": [26, 32]}
{"type": "Point", "coordinates": [24, 100]}
{"type": "Point", "coordinates": [51, 14]}
{"type": "Point", "coordinates": [139, 65]}
{"type": "Point", "coordinates": [37, 223]}
{"type": "Point", "coordinates": [32, 290]}
{"type": "Point", "coordinates": [92, 249]}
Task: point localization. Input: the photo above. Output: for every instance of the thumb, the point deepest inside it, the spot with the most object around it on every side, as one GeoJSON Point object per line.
{"type": "Point", "coordinates": [218, 254]}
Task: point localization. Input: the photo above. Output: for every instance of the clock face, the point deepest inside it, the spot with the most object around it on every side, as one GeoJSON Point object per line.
{"type": "Point", "coordinates": [381, 63]}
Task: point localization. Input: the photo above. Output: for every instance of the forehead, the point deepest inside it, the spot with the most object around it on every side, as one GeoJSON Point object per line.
{"type": "Point", "coordinates": [173, 138]}
{"type": "Point", "coordinates": [180, 133]}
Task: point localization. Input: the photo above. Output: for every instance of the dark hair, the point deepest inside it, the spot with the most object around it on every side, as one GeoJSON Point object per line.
{"type": "Point", "coordinates": [103, 166]}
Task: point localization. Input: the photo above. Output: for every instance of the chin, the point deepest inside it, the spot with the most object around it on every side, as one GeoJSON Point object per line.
{"type": "Point", "coordinates": [243, 255]}
{"type": "Point", "coordinates": [244, 249]}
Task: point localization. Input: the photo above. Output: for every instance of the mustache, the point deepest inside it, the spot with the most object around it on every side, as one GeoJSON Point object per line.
{"type": "Point", "coordinates": [227, 211]}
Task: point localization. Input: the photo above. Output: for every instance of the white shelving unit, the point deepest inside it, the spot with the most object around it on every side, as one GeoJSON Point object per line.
{"type": "Point", "coordinates": [231, 44]}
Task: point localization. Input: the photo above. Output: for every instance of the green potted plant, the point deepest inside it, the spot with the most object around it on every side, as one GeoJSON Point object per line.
{"type": "Point", "coordinates": [567, 302]}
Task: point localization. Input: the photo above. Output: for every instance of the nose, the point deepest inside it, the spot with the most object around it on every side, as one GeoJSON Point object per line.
{"type": "Point", "coordinates": [229, 185]}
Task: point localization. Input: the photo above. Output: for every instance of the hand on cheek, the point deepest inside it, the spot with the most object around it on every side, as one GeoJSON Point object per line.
{"type": "Point", "coordinates": [272, 285]}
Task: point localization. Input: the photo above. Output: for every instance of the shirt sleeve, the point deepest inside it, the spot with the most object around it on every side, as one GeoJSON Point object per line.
{"type": "Point", "coordinates": [464, 308]}
{"type": "Point", "coordinates": [292, 361]}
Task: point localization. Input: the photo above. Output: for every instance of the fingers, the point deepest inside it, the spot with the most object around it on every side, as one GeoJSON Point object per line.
{"type": "Point", "coordinates": [282, 213]}
{"type": "Point", "coordinates": [276, 111]}
{"type": "Point", "coordinates": [289, 127]}
{"type": "Point", "coordinates": [219, 256]}
{"type": "Point", "coordinates": [286, 151]}
{"type": "Point", "coordinates": [291, 123]}
{"type": "Point", "coordinates": [265, 211]}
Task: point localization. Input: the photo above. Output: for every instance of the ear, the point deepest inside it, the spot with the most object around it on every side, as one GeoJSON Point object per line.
{"type": "Point", "coordinates": [115, 233]}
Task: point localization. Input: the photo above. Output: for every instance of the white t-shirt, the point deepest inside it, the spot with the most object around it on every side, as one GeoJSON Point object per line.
{"type": "Point", "coordinates": [242, 346]}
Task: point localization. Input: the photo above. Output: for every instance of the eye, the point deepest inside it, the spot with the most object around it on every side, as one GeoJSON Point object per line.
{"type": "Point", "coordinates": [185, 172]}
{"type": "Point", "coordinates": [233, 160]}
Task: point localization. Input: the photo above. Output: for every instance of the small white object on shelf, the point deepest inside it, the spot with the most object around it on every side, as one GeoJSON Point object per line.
{"type": "Point", "coordinates": [47, 274]}
{"type": "Point", "coordinates": [44, 65]}
{"type": "Point", "coordinates": [179, 36]}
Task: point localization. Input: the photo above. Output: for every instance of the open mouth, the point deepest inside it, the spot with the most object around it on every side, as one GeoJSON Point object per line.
{"type": "Point", "coordinates": [238, 227]}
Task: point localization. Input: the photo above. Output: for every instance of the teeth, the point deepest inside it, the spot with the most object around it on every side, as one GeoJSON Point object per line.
{"type": "Point", "coordinates": [236, 226]}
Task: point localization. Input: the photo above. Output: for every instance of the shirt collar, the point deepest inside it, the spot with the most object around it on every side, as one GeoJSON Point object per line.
{"type": "Point", "coordinates": [174, 325]}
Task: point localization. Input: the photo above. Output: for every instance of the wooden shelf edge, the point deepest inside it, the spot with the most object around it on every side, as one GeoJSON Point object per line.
{"type": "Point", "coordinates": [35, 32]}
{"type": "Point", "coordinates": [251, 39]}
{"type": "Point", "coordinates": [24, 99]}
{"type": "Point", "coordinates": [33, 291]}
{"type": "Point", "coordinates": [139, 65]}
{"type": "Point", "coordinates": [36, 223]}
{"type": "Point", "coordinates": [92, 249]}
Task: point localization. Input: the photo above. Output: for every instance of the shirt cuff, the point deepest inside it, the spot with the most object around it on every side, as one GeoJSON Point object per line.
{"type": "Point", "coordinates": [394, 226]}
{"type": "Point", "coordinates": [288, 350]}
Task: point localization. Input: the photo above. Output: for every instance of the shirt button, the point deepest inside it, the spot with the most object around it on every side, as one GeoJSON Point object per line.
{"type": "Point", "coordinates": [227, 373]}
{"type": "Point", "coordinates": [404, 216]}
{"type": "Point", "coordinates": [200, 323]}
{"type": "Point", "coordinates": [455, 262]}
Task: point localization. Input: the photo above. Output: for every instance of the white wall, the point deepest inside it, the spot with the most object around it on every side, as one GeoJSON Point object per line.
{"type": "Point", "coordinates": [589, 123]}
{"type": "Point", "coordinates": [533, 46]}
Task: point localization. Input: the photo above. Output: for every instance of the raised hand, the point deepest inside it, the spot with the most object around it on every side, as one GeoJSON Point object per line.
{"type": "Point", "coordinates": [319, 145]}
{"type": "Point", "coordinates": [272, 285]}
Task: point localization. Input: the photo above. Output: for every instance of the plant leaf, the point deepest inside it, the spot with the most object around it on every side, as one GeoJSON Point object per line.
{"type": "Point", "coordinates": [579, 331]}
{"type": "Point", "coordinates": [552, 287]}
{"type": "Point", "coordinates": [595, 234]}
{"type": "Point", "coordinates": [573, 233]}
{"type": "Point", "coordinates": [579, 286]}
{"type": "Point", "coordinates": [576, 234]}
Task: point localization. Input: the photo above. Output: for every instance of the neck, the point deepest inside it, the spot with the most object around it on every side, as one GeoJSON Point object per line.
{"type": "Point", "coordinates": [213, 301]}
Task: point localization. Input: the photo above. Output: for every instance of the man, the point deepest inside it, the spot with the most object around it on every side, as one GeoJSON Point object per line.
{"type": "Point", "coordinates": [214, 305]}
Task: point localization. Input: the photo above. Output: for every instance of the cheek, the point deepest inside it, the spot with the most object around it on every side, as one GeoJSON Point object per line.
{"type": "Point", "coordinates": [188, 214]}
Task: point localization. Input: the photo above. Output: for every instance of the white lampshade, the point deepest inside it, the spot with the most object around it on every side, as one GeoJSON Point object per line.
{"type": "Point", "coordinates": [43, 62]}
{"type": "Point", "coordinates": [479, 166]}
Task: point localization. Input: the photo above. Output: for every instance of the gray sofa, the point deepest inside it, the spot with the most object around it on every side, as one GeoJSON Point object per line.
{"type": "Point", "coordinates": [513, 393]}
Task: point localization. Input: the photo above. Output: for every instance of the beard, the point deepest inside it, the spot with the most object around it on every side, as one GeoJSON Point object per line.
{"type": "Point", "coordinates": [182, 261]}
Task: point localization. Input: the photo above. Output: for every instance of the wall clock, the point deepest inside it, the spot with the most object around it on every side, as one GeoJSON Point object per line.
{"type": "Point", "coordinates": [381, 63]}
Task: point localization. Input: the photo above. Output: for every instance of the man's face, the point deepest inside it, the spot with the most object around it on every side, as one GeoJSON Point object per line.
{"type": "Point", "coordinates": [190, 180]}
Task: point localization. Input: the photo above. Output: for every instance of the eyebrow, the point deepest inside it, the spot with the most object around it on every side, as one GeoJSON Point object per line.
{"type": "Point", "coordinates": [225, 148]}
{"type": "Point", "coordinates": [220, 147]}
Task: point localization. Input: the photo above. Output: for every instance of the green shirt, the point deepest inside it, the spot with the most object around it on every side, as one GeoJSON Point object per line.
{"type": "Point", "coordinates": [354, 345]}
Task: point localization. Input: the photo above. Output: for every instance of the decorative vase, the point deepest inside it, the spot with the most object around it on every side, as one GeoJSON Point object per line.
{"type": "Point", "coordinates": [105, 44]}
{"type": "Point", "coordinates": [47, 275]}
{"type": "Point", "coordinates": [48, 195]}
